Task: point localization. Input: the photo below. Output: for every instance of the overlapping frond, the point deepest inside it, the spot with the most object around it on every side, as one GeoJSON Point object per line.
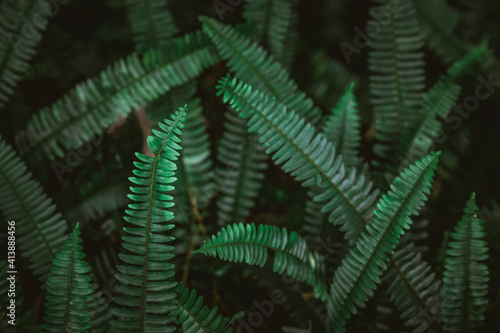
{"type": "Point", "coordinates": [152, 23]}
{"type": "Point", "coordinates": [240, 178]}
{"type": "Point", "coordinates": [359, 273]}
{"type": "Point", "coordinates": [272, 19]}
{"type": "Point", "coordinates": [249, 244]}
{"type": "Point", "coordinates": [398, 81]}
{"type": "Point", "coordinates": [18, 40]}
{"type": "Point", "coordinates": [40, 230]}
{"type": "Point", "coordinates": [466, 277]}
{"type": "Point", "coordinates": [309, 158]}
{"type": "Point", "coordinates": [129, 83]}
{"type": "Point", "coordinates": [343, 128]}
{"type": "Point", "coordinates": [193, 316]}
{"type": "Point", "coordinates": [100, 312]}
{"type": "Point", "coordinates": [68, 290]}
{"type": "Point", "coordinates": [146, 287]}
{"type": "Point", "coordinates": [255, 66]}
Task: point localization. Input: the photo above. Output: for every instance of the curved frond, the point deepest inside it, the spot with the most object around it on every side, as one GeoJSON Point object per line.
{"type": "Point", "coordinates": [398, 81]}
{"type": "Point", "coordinates": [249, 244]}
{"type": "Point", "coordinates": [309, 158]}
{"type": "Point", "coordinates": [152, 23]}
{"type": "Point", "coordinates": [18, 40]}
{"type": "Point", "coordinates": [146, 287]}
{"type": "Point", "coordinates": [360, 270]}
{"type": "Point", "coordinates": [253, 64]}
{"type": "Point", "coordinates": [195, 317]}
{"type": "Point", "coordinates": [40, 230]}
{"type": "Point", "coordinates": [466, 277]}
{"type": "Point", "coordinates": [68, 290]}
{"type": "Point", "coordinates": [242, 174]}
{"type": "Point", "coordinates": [129, 83]}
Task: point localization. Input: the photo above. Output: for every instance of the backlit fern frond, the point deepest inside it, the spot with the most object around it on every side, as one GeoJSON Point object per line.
{"type": "Point", "coordinates": [40, 230]}
{"type": "Point", "coordinates": [146, 289]}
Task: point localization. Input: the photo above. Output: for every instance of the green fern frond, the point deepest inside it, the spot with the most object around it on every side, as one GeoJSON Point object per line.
{"type": "Point", "coordinates": [253, 64]}
{"type": "Point", "coordinates": [100, 312]}
{"type": "Point", "coordinates": [146, 285]}
{"type": "Point", "coordinates": [398, 81]}
{"type": "Point", "coordinates": [272, 19]}
{"type": "Point", "coordinates": [309, 158]}
{"type": "Point", "coordinates": [417, 141]}
{"type": "Point", "coordinates": [241, 176]}
{"type": "Point", "coordinates": [417, 294]}
{"type": "Point", "coordinates": [343, 128]}
{"type": "Point", "coordinates": [360, 270]}
{"type": "Point", "coordinates": [40, 231]}
{"type": "Point", "coordinates": [18, 40]}
{"type": "Point", "coordinates": [68, 290]}
{"type": "Point", "coordinates": [239, 242]}
{"type": "Point", "coordinates": [129, 83]}
{"type": "Point", "coordinates": [152, 23]}
{"type": "Point", "coordinates": [465, 277]}
{"type": "Point", "coordinates": [195, 317]}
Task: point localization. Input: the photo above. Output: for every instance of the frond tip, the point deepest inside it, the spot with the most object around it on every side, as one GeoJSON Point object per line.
{"type": "Point", "coordinates": [465, 277]}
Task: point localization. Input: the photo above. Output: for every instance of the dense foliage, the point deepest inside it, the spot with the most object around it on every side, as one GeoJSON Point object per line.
{"type": "Point", "coordinates": [249, 166]}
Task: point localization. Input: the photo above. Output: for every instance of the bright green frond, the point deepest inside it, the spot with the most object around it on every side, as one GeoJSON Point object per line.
{"type": "Point", "coordinates": [398, 81]}
{"type": "Point", "coordinates": [359, 273]}
{"type": "Point", "coordinates": [249, 244]}
{"type": "Point", "coordinates": [343, 128]}
{"type": "Point", "coordinates": [465, 276]}
{"type": "Point", "coordinates": [146, 287]}
{"type": "Point", "coordinates": [309, 158]}
{"type": "Point", "coordinates": [152, 23]}
{"type": "Point", "coordinates": [272, 20]}
{"type": "Point", "coordinates": [18, 40]}
{"type": "Point", "coordinates": [40, 230]}
{"type": "Point", "coordinates": [253, 64]}
{"type": "Point", "coordinates": [68, 290]}
{"type": "Point", "coordinates": [195, 317]}
{"type": "Point", "coordinates": [243, 164]}
{"type": "Point", "coordinates": [129, 83]}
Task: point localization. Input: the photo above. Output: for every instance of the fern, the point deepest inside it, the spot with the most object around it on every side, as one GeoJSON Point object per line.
{"type": "Point", "coordinates": [253, 64]}
{"type": "Point", "coordinates": [194, 317]}
{"type": "Point", "coordinates": [238, 243]}
{"type": "Point", "coordinates": [19, 38]}
{"type": "Point", "coordinates": [359, 272]}
{"type": "Point", "coordinates": [242, 173]}
{"type": "Point", "coordinates": [152, 23]}
{"type": "Point", "coordinates": [307, 157]}
{"type": "Point", "coordinates": [129, 83]}
{"type": "Point", "coordinates": [40, 231]}
{"type": "Point", "coordinates": [68, 290]}
{"type": "Point", "coordinates": [465, 277]}
{"type": "Point", "coordinates": [398, 80]}
{"type": "Point", "coordinates": [146, 286]}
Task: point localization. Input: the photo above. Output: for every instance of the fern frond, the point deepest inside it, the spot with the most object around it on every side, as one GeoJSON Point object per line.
{"type": "Point", "coordinates": [152, 23]}
{"type": "Point", "coordinates": [417, 294]}
{"type": "Point", "coordinates": [68, 290]}
{"type": "Point", "coordinates": [241, 176]}
{"type": "Point", "coordinates": [40, 231]}
{"type": "Point", "coordinates": [360, 270]}
{"type": "Point", "coordinates": [465, 277]}
{"type": "Point", "coordinates": [272, 19]}
{"type": "Point", "coordinates": [18, 40]}
{"type": "Point", "coordinates": [195, 317]}
{"type": "Point", "coordinates": [239, 242]}
{"type": "Point", "coordinates": [129, 83]}
{"type": "Point", "coordinates": [253, 64]}
{"type": "Point", "coordinates": [309, 158]}
{"type": "Point", "coordinates": [398, 81]}
{"type": "Point", "coordinates": [417, 141]}
{"type": "Point", "coordinates": [343, 128]}
{"type": "Point", "coordinates": [100, 312]}
{"type": "Point", "coordinates": [146, 286]}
